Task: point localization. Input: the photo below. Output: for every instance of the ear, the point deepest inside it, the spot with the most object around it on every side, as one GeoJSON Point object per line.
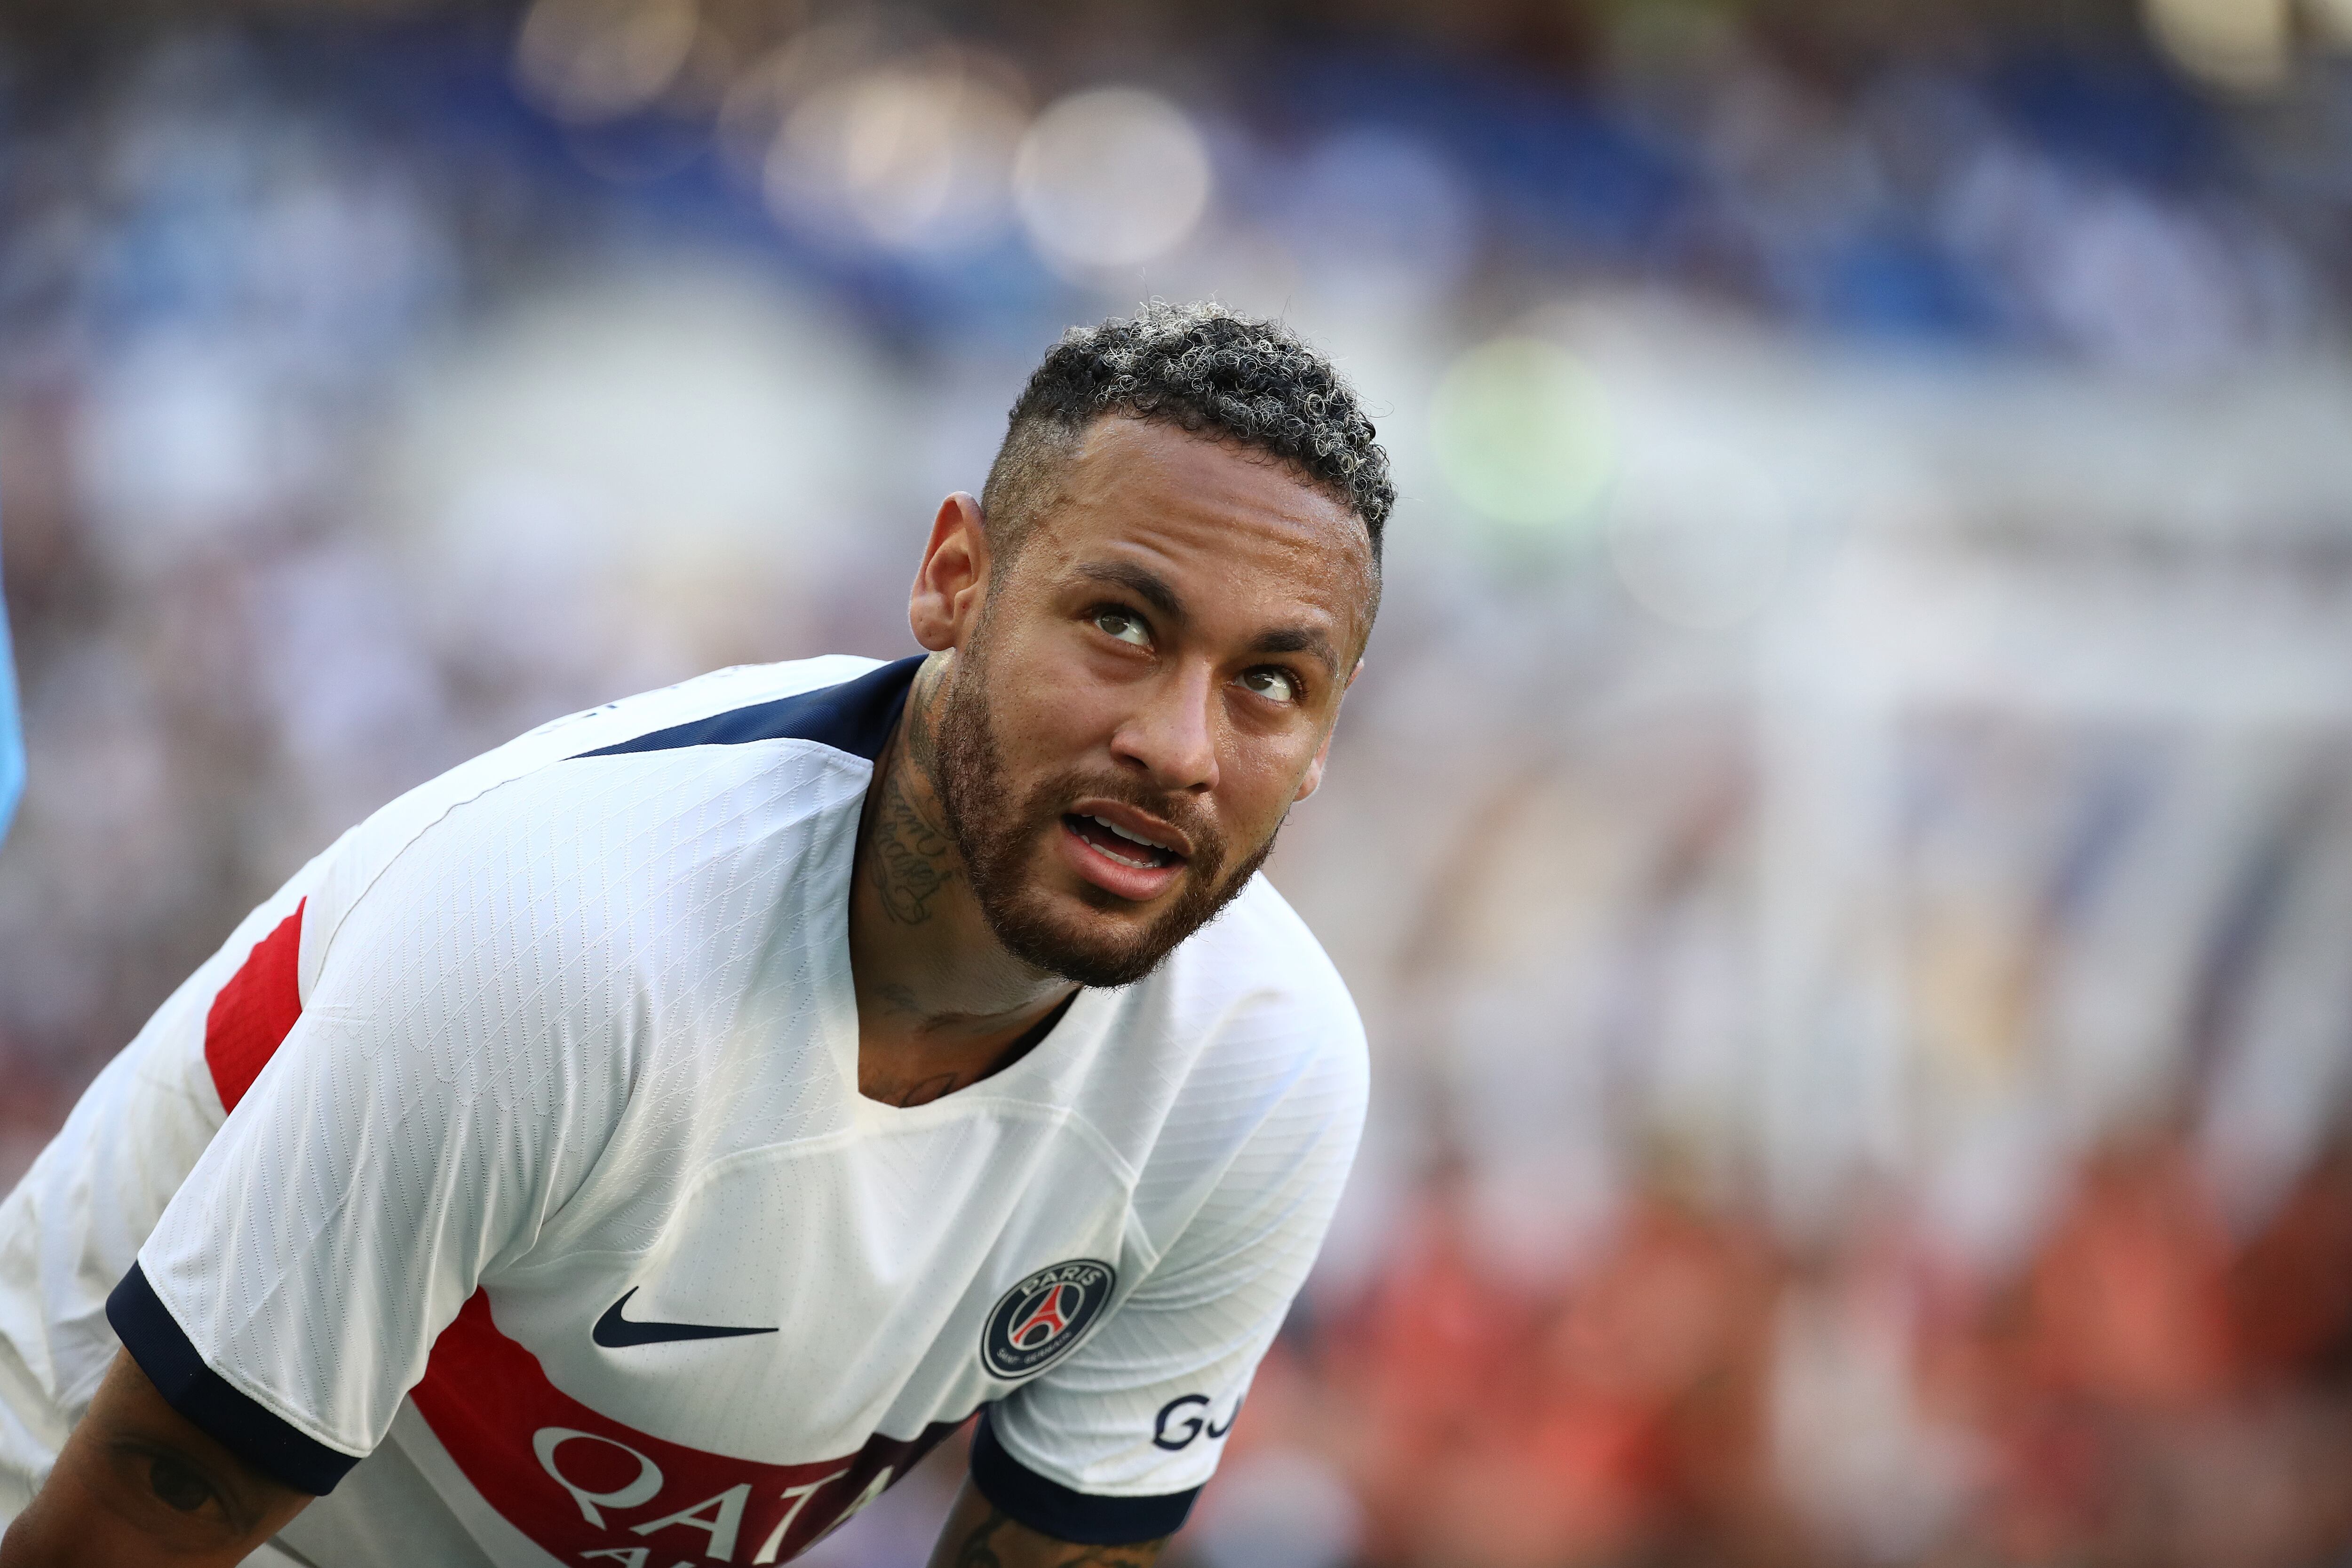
{"type": "Point", "coordinates": [952, 581]}
{"type": "Point", "coordinates": [1314, 779]}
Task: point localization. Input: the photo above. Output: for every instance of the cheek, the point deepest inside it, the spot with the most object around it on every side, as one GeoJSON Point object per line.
{"type": "Point", "coordinates": [1261, 779]}
{"type": "Point", "coordinates": [1048, 712]}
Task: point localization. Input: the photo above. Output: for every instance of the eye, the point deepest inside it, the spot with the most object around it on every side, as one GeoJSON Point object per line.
{"type": "Point", "coordinates": [1274, 684]}
{"type": "Point", "coordinates": [1125, 625]}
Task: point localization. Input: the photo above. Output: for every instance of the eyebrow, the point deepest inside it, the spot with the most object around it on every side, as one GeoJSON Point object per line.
{"type": "Point", "coordinates": [1154, 590]}
{"type": "Point", "coordinates": [1299, 639]}
{"type": "Point", "coordinates": [1142, 581]}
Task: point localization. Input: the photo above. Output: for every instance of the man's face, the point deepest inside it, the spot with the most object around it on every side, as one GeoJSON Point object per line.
{"type": "Point", "coordinates": [1142, 691]}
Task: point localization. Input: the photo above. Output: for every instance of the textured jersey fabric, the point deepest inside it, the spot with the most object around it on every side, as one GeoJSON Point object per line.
{"type": "Point", "coordinates": [505, 1176]}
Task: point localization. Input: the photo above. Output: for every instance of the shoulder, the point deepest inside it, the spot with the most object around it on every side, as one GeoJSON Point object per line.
{"type": "Point", "coordinates": [844, 703]}
{"type": "Point", "coordinates": [558, 822]}
{"type": "Point", "coordinates": [717, 691]}
{"type": "Point", "coordinates": [1248, 1026]}
{"type": "Point", "coordinates": [1257, 970]}
{"type": "Point", "coordinates": [1241, 1078]}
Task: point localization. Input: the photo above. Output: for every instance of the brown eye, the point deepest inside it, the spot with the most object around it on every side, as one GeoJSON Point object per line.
{"type": "Point", "coordinates": [1124, 625]}
{"type": "Point", "coordinates": [1273, 685]}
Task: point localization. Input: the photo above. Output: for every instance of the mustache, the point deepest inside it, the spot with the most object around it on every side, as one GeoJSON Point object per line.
{"type": "Point", "coordinates": [1054, 797]}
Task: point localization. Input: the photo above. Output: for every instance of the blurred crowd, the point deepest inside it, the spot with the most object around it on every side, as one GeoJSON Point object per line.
{"type": "Point", "coordinates": [2145, 1389]}
{"type": "Point", "coordinates": [1842, 843]}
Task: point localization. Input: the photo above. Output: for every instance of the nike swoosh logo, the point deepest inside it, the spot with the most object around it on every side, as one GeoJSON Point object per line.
{"type": "Point", "coordinates": [614, 1331]}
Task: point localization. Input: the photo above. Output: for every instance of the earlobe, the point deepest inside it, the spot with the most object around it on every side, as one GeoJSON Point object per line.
{"type": "Point", "coordinates": [1314, 779]}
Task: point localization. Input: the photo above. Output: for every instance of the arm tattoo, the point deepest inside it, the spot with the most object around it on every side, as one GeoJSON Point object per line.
{"type": "Point", "coordinates": [178, 1487]}
{"type": "Point", "coordinates": [980, 1549]}
{"type": "Point", "coordinates": [177, 1480]}
{"type": "Point", "coordinates": [909, 853]}
{"type": "Point", "coordinates": [976, 1551]}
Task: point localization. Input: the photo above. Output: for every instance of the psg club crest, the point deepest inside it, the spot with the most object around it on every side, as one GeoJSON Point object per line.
{"type": "Point", "coordinates": [1043, 1318]}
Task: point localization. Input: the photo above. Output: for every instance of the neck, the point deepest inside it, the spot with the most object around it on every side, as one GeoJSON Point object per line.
{"type": "Point", "coordinates": [939, 999]}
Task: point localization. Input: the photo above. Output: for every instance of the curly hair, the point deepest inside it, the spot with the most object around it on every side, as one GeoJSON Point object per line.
{"type": "Point", "coordinates": [1204, 369]}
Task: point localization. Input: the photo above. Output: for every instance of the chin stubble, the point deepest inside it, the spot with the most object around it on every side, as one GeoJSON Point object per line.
{"type": "Point", "coordinates": [996, 836]}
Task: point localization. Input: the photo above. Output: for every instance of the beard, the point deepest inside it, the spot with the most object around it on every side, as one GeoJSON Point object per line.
{"type": "Point", "coordinates": [998, 838]}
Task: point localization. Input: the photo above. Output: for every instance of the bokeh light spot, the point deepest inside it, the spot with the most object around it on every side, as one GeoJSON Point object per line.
{"type": "Point", "coordinates": [2245, 46]}
{"type": "Point", "coordinates": [1110, 178]}
{"type": "Point", "coordinates": [914, 156]}
{"type": "Point", "coordinates": [600, 59]}
{"type": "Point", "coordinates": [1522, 431]}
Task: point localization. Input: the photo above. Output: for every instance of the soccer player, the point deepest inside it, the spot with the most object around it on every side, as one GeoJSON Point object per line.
{"type": "Point", "coordinates": [639, 1145]}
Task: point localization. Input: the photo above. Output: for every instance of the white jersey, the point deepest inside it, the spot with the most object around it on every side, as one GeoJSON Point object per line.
{"type": "Point", "coordinates": [505, 1178]}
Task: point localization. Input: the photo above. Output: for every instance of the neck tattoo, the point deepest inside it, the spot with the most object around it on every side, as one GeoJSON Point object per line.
{"type": "Point", "coordinates": [913, 857]}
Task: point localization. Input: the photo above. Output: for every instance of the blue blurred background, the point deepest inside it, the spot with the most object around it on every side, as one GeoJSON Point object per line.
{"type": "Point", "coordinates": [1845, 843]}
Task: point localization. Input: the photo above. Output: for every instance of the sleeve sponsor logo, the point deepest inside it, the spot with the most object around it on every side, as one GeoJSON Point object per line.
{"type": "Point", "coordinates": [1186, 1417]}
{"type": "Point", "coordinates": [1042, 1319]}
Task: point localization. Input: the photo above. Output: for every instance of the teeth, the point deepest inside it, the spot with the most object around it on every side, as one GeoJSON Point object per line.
{"type": "Point", "coordinates": [1130, 837]}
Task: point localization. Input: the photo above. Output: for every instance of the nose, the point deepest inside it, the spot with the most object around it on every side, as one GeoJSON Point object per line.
{"type": "Point", "coordinates": [1173, 735]}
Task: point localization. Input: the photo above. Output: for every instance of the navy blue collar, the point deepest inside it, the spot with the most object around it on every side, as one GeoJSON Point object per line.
{"type": "Point", "coordinates": [856, 716]}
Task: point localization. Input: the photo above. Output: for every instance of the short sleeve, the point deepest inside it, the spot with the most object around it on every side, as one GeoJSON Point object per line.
{"type": "Point", "coordinates": [451, 1075]}
{"type": "Point", "coordinates": [1112, 1444]}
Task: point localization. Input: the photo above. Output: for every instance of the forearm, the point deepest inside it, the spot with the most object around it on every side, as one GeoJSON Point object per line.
{"type": "Point", "coordinates": [139, 1485]}
{"type": "Point", "coordinates": [980, 1535]}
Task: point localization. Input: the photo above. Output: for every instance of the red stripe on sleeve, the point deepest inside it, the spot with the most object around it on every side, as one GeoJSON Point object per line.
{"type": "Point", "coordinates": [255, 1010]}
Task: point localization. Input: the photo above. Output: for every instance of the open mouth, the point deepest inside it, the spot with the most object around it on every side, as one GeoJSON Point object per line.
{"type": "Point", "coordinates": [1116, 844]}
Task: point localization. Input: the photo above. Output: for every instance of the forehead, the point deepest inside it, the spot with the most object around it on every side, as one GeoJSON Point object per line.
{"type": "Point", "coordinates": [1240, 532]}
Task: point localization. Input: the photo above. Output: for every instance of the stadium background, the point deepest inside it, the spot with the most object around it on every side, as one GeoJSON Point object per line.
{"type": "Point", "coordinates": [1843, 845]}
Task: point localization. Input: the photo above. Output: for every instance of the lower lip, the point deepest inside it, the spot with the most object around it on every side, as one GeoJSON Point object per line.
{"type": "Point", "coordinates": [1139, 884]}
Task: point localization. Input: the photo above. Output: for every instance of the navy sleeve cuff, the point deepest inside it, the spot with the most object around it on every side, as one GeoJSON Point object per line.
{"type": "Point", "coordinates": [264, 1440]}
{"type": "Point", "coordinates": [1051, 1508]}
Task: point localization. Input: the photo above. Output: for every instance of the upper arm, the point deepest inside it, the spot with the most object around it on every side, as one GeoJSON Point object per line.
{"type": "Point", "coordinates": [979, 1534]}
{"type": "Point", "coordinates": [139, 1483]}
{"type": "Point", "coordinates": [440, 1091]}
